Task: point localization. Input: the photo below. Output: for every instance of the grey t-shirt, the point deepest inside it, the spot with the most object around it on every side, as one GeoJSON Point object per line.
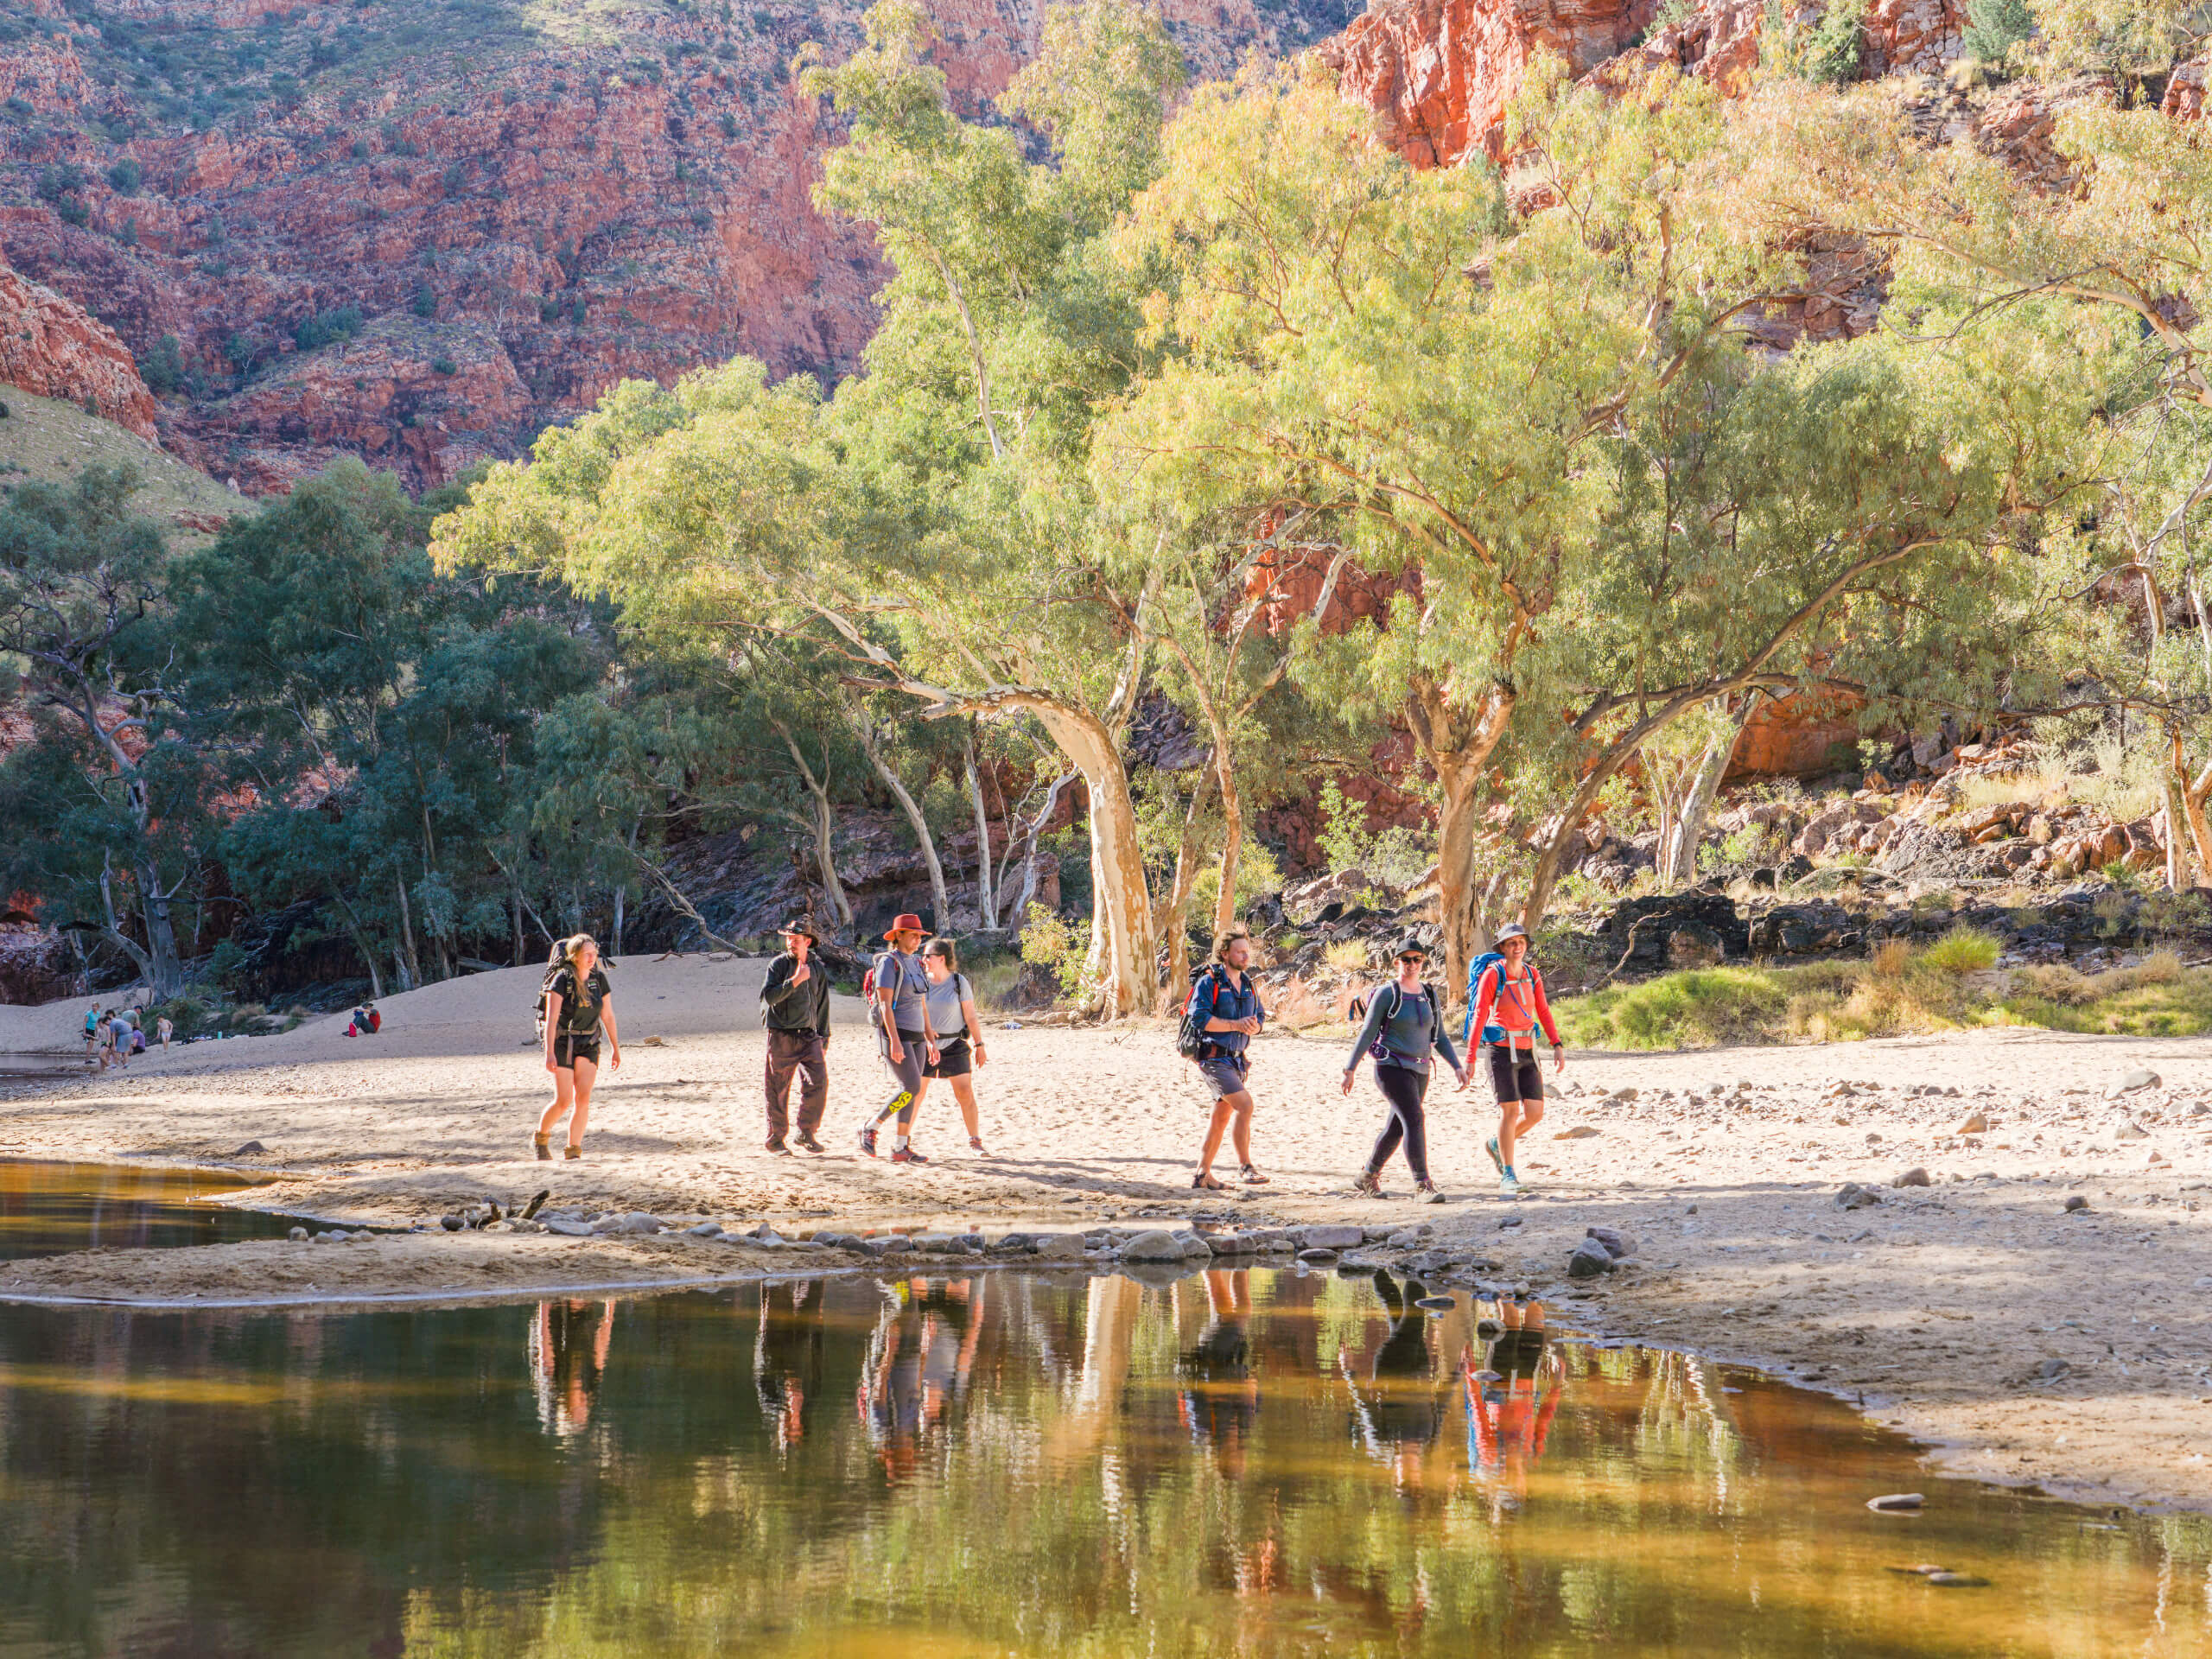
{"type": "Point", "coordinates": [945, 1017]}
{"type": "Point", "coordinates": [903, 976]}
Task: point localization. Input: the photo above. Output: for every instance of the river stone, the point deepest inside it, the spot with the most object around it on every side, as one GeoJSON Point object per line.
{"type": "Point", "coordinates": [1617, 1243]}
{"type": "Point", "coordinates": [451, 1224]}
{"type": "Point", "coordinates": [1154, 1246]}
{"type": "Point", "coordinates": [934, 1244]}
{"type": "Point", "coordinates": [1914, 1177]}
{"type": "Point", "coordinates": [705, 1229]}
{"type": "Point", "coordinates": [1435, 1303]}
{"type": "Point", "coordinates": [970, 1243]}
{"type": "Point", "coordinates": [1317, 1256]}
{"type": "Point", "coordinates": [1014, 1243]}
{"type": "Point", "coordinates": [1194, 1244]}
{"type": "Point", "coordinates": [606, 1223]}
{"type": "Point", "coordinates": [1233, 1244]}
{"type": "Point", "coordinates": [889, 1244]}
{"type": "Point", "coordinates": [2129, 1130]}
{"type": "Point", "coordinates": [835, 1241]}
{"type": "Point", "coordinates": [1976, 1123]}
{"type": "Point", "coordinates": [1590, 1259]}
{"type": "Point", "coordinates": [1580, 1132]}
{"type": "Point", "coordinates": [2128, 1081]}
{"type": "Point", "coordinates": [2052, 1368]}
{"type": "Point", "coordinates": [1331, 1238]}
{"type": "Point", "coordinates": [2076, 1203]}
{"type": "Point", "coordinates": [297, 1234]}
{"type": "Point", "coordinates": [1855, 1196]}
{"type": "Point", "coordinates": [640, 1221]}
{"type": "Point", "coordinates": [1411, 1238]}
{"type": "Point", "coordinates": [1895, 1502]}
{"type": "Point", "coordinates": [568, 1227]}
{"type": "Point", "coordinates": [1059, 1245]}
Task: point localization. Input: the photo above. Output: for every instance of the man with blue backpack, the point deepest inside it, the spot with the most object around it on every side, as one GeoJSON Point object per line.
{"type": "Point", "coordinates": [1220, 1022]}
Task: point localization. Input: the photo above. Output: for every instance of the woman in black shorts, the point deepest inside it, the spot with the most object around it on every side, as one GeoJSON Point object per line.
{"type": "Point", "coordinates": [579, 1008]}
{"type": "Point", "coordinates": [959, 1034]}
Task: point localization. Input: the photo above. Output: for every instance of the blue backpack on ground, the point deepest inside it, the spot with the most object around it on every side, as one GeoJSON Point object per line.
{"type": "Point", "coordinates": [1475, 971]}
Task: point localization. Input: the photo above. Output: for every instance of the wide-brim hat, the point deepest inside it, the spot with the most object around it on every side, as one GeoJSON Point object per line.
{"type": "Point", "coordinates": [1510, 931]}
{"type": "Point", "coordinates": [803, 927]}
{"type": "Point", "coordinates": [904, 922]}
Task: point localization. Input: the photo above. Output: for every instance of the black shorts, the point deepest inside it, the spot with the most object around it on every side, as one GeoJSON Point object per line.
{"type": "Point", "coordinates": [568, 1049]}
{"type": "Point", "coordinates": [1516, 1354]}
{"type": "Point", "coordinates": [954, 1059]}
{"type": "Point", "coordinates": [1514, 1074]}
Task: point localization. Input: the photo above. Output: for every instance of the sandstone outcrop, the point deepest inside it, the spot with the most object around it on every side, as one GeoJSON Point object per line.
{"type": "Point", "coordinates": [48, 345]}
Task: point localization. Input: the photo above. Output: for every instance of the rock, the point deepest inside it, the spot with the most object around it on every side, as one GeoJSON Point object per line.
{"type": "Point", "coordinates": [2130, 1130]}
{"type": "Point", "coordinates": [1435, 1303]}
{"type": "Point", "coordinates": [1622, 1097]}
{"type": "Point", "coordinates": [1058, 1246]}
{"type": "Point", "coordinates": [1957, 1580]}
{"type": "Point", "coordinates": [2128, 1081]}
{"type": "Point", "coordinates": [454, 1224]}
{"type": "Point", "coordinates": [2076, 1204]}
{"type": "Point", "coordinates": [323, 1238]}
{"type": "Point", "coordinates": [1332, 1237]}
{"type": "Point", "coordinates": [705, 1229]}
{"type": "Point", "coordinates": [51, 346]}
{"type": "Point", "coordinates": [249, 1149]}
{"type": "Point", "coordinates": [641, 1221]}
{"type": "Point", "coordinates": [1580, 1132]}
{"type": "Point", "coordinates": [609, 1223]}
{"type": "Point", "coordinates": [1590, 1259]}
{"type": "Point", "coordinates": [1913, 1177]}
{"type": "Point", "coordinates": [969, 1243]}
{"type": "Point", "coordinates": [568, 1227]}
{"type": "Point", "coordinates": [297, 1234]}
{"type": "Point", "coordinates": [888, 1244]}
{"type": "Point", "coordinates": [933, 1244]}
{"type": "Point", "coordinates": [1976, 1123]}
{"type": "Point", "coordinates": [1155, 1246]}
{"type": "Point", "coordinates": [1317, 1256]}
{"type": "Point", "coordinates": [1411, 1238]}
{"type": "Point", "coordinates": [1617, 1243]}
{"type": "Point", "coordinates": [1855, 1196]}
{"type": "Point", "coordinates": [834, 1241]}
{"type": "Point", "coordinates": [1693, 945]}
{"type": "Point", "coordinates": [1896, 1503]}
{"type": "Point", "coordinates": [2052, 1368]}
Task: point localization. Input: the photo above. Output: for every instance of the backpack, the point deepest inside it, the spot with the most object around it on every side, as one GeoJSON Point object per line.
{"type": "Point", "coordinates": [868, 989]}
{"type": "Point", "coordinates": [1191, 1039]}
{"type": "Point", "coordinates": [1359, 1006]}
{"type": "Point", "coordinates": [1476, 969]}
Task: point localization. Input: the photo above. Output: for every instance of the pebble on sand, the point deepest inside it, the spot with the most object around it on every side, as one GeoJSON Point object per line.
{"type": "Point", "coordinates": [1896, 1503]}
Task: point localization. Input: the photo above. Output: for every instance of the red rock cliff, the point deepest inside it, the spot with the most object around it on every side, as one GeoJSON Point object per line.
{"type": "Point", "coordinates": [48, 345]}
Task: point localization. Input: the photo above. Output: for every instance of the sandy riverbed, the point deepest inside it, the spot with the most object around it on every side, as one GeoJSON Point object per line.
{"type": "Point", "coordinates": [1940, 1305]}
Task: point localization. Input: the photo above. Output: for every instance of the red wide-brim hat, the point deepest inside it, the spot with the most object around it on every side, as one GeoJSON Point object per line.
{"type": "Point", "coordinates": [906, 923]}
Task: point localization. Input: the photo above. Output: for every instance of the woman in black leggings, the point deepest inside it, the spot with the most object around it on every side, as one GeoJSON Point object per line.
{"type": "Point", "coordinates": [1404, 1022]}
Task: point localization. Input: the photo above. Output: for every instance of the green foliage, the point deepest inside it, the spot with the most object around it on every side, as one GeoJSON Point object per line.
{"type": "Point", "coordinates": [336, 323]}
{"type": "Point", "coordinates": [1962, 950]}
{"type": "Point", "coordinates": [1701, 1008]}
{"type": "Point", "coordinates": [1994, 27]}
{"type": "Point", "coordinates": [1049, 940]}
{"type": "Point", "coordinates": [444, 365]}
{"type": "Point", "coordinates": [1394, 856]}
{"type": "Point", "coordinates": [425, 303]}
{"type": "Point", "coordinates": [125, 176]}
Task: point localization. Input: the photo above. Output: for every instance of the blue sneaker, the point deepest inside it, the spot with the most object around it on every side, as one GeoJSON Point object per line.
{"type": "Point", "coordinates": [1508, 1184]}
{"type": "Point", "coordinates": [1496, 1156]}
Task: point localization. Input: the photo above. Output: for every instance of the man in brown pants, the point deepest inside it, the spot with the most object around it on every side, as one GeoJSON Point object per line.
{"type": "Point", "coordinates": [795, 1007]}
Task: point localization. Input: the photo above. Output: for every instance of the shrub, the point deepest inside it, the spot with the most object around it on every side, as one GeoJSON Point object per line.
{"type": "Point", "coordinates": [1397, 856]}
{"type": "Point", "coordinates": [337, 322]}
{"type": "Point", "coordinates": [1051, 941]}
{"type": "Point", "coordinates": [425, 303]}
{"type": "Point", "coordinates": [162, 367]}
{"type": "Point", "coordinates": [1962, 950]}
{"type": "Point", "coordinates": [129, 234]}
{"type": "Point", "coordinates": [455, 176]}
{"type": "Point", "coordinates": [1994, 27]}
{"type": "Point", "coordinates": [1694, 1009]}
{"type": "Point", "coordinates": [123, 177]}
{"type": "Point", "coordinates": [242, 354]}
{"type": "Point", "coordinates": [443, 366]}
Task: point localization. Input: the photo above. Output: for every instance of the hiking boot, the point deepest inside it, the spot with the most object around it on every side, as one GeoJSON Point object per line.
{"type": "Point", "coordinates": [975, 1146]}
{"type": "Point", "coordinates": [908, 1155]}
{"type": "Point", "coordinates": [1496, 1156]}
{"type": "Point", "coordinates": [542, 1146]}
{"type": "Point", "coordinates": [572, 1152]}
{"type": "Point", "coordinates": [808, 1143]}
{"type": "Point", "coordinates": [1428, 1190]}
{"type": "Point", "coordinates": [867, 1140]}
{"type": "Point", "coordinates": [1368, 1183]}
{"type": "Point", "coordinates": [777, 1146]}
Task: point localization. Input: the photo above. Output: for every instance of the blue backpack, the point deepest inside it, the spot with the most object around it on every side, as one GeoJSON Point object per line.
{"type": "Point", "coordinates": [1475, 971]}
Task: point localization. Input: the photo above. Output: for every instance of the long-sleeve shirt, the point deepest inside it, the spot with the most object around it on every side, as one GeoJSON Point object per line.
{"type": "Point", "coordinates": [1519, 1004]}
{"type": "Point", "coordinates": [1409, 1026]}
{"type": "Point", "coordinates": [803, 1007]}
{"type": "Point", "coordinates": [1222, 1001]}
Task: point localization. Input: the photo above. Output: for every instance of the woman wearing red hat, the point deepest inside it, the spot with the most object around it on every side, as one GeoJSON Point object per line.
{"type": "Point", "coordinates": [901, 1010]}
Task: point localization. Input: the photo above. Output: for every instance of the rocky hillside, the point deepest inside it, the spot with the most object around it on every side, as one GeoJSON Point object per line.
{"type": "Point", "coordinates": [418, 230]}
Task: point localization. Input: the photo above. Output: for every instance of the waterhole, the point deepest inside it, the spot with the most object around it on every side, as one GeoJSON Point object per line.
{"type": "Point", "coordinates": [1236, 1463]}
{"type": "Point", "coordinates": [47, 1208]}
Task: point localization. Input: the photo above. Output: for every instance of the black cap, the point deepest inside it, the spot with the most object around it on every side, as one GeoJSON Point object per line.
{"type": "Point", "coordinates": [1411, 948]}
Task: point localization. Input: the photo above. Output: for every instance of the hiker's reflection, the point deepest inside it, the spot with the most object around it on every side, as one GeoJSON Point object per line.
{"type": "Point", "coordinates": [1398, 1404]}
{"type": "Point", "coordinates": [1220, 1398]}
{"type": "Point", "coordinates": [1513, 1388]}
{"type": "Point", "coordinates": [787, 1358]}
{"type": "Point", "coordinates": [567, 1356]}
{"type": "Point", "coordinates": [919, 1362]}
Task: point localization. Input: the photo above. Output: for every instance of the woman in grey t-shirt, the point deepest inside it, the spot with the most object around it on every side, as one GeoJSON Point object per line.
{"type": "Point", "coordinates": [959, 1034]}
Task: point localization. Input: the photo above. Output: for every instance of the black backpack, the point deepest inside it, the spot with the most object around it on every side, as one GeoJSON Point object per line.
{"type": "Point", "coordinates": [1191, 1038]}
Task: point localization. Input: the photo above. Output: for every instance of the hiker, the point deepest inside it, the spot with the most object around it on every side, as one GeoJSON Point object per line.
{"type": "Point", "coordinates": [1512, 988]}
{"type": "Point", "coordinates": [118, 1038]}
{"type": "Point", "coordinates": [958, 1031]}
{"type": "Point", "coordinates": [91, 1031]}
{"type": "Point", "coordinates": [1404, 1022]}
{"type": "Point", "coordinates": [795, 1007]}
{"type": "Point", "coordinates": [897, 987]}
{"type": "Point", "coordinates": [579, 1005]}
{"type": "Point", "coordinates": [1234, 1017]}
{"type": "Point", "coordinates": [1510, 1407]}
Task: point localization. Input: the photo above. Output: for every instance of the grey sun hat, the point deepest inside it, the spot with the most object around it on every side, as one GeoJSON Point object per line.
{"type": "Point", "coordinates": [1510, 931]}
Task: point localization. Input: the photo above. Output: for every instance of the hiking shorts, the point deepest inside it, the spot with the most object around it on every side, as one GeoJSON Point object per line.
{"type": "Point", "coordinates": [1225, 1074]}
{"type": "Point", "coordinates": [954, 1059]}
{"type": "Point", "coordinates": [1514, 1074]}
{"type": "Point", "coordinates": [568, 1049]}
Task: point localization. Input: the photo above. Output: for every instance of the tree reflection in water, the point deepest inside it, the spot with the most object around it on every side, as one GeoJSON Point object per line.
{"type": "Point", "coordinates": [1245, 1462]}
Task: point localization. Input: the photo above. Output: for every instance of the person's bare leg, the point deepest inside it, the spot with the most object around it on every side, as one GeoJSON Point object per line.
{"type": "Point", "coordinates": [1509, 1130]}
{"type": "Point", "coordinates": [564, 1092]}
{"type": "Point", "coordinates": [578, 1120]}
{"type": "Point", "coordinates": [914, 1107]}
{"type": "Point", "coordinates": [1222, 1110]}
{"type": "Point", "coordinates": [1242, 1132]}
{"type": "Point", "coordinates": [964, 1090]}
{"type": "Point", "coordinates": [1532, 1113]}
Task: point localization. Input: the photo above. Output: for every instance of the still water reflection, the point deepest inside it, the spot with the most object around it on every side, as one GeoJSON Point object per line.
{"type": "Point", "coordinates": [48, 1208]}
{"type": "Point", "coordinates": [1245, 1463]}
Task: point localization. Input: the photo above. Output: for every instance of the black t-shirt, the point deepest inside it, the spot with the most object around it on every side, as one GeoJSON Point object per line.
{"type": "Point", "coordinates": [580, 1014]}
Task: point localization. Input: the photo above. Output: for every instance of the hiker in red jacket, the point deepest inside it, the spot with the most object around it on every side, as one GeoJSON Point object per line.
{"type": "Point", "coordinates": [1511, 995]}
